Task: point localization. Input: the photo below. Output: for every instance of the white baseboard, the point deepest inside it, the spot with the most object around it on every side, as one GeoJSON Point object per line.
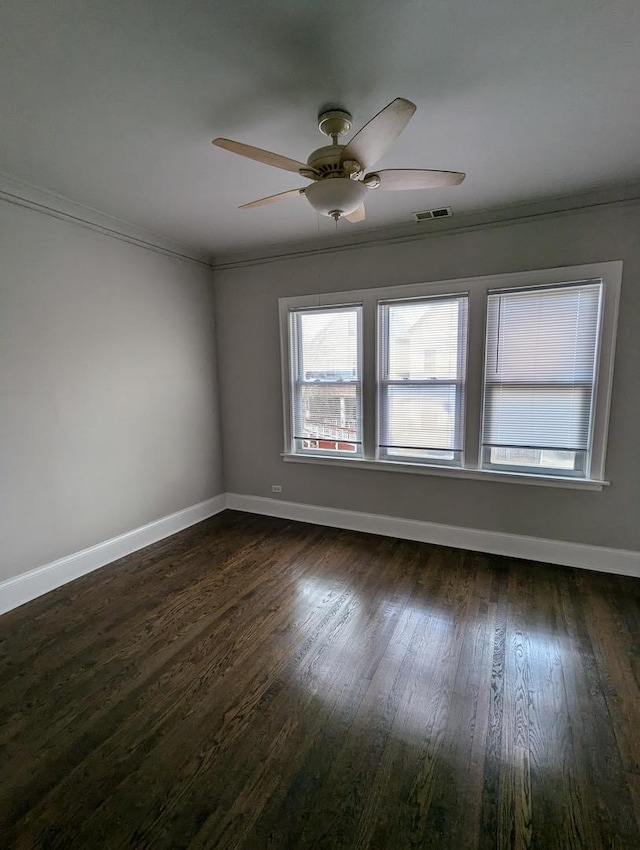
{"type": "Point", "coordinates": [16, 591]}
{"type": "Point", "coordinates": [23, 588]}
{"type": "Point", "coordinates": [603, 559]}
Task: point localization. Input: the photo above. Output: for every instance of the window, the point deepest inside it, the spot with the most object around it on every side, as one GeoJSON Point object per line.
{"type": "Point", "coordinates": [540, 371]}
{"type": "Point", "coordinates": [506, 376]}
{"type": "Point", "coordinates": [422, 366]}
{"type": "Point", "coordinates": [326, 381]}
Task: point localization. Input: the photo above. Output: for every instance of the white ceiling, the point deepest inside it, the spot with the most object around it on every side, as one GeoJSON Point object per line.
{"type": "Point", "coordinates": [113, 103]}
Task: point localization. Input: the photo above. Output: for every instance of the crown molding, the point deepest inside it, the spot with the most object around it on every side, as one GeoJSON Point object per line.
{"type": "Point", "coordinates": [20, 193]}
{"type": "Point", "coordinates": [627, 195]}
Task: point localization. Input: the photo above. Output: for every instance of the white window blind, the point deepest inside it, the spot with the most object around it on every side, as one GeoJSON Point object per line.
{"type": "Point", "coordinates": [326, 381]}
{"type": "Point", "coordinates": [422, 348]}
{"type": "Point", "coordinates": [540, 372]}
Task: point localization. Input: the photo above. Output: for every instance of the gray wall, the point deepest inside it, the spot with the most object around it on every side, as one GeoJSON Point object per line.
{"type": "Point", "coordinates": [247, 311]}
{"type": "Point", "coordinates": [108, 399]}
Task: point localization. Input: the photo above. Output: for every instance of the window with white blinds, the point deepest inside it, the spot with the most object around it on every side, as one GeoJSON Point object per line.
{"type": "Point", "coordinates": [507, 377]}
{"type": "Point", "coordinates": [326, 381]}
{"type": "Point", "coordinates": [540, 373]}
{"type": "Point", "coordinates": [422, 345]}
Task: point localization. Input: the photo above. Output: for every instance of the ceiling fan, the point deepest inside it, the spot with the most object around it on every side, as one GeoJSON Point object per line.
{"type": "Point", "coordinates": [340, 173]}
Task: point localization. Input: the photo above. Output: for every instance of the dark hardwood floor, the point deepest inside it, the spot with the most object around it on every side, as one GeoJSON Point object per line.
{"type": "Point", "coordinates": [258, 683]}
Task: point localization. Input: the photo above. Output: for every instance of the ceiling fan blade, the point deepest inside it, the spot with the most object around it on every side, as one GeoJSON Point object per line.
{"type": "Point", "coordinates": [261, 155]}
{"type": "Point", "coordinates": [357, 215]}
{"type": "Point", "coordinates": [376, 137]}
{"type": "Point", "coordinates": [271, 199]}
{"type": "Point", "coordinates": [415, 178]}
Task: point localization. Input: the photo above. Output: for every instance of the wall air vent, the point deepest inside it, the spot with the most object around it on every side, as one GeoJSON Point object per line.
{"type": "Point", "coordinates": [441, 212]}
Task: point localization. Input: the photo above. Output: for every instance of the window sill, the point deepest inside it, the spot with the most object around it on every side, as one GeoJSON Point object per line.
{"type": "Point", "coordinates": [450, 472]}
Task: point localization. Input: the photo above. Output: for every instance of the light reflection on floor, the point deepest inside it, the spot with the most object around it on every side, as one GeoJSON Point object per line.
{"type": "Point", "coordinates": [363, 647]}
{"type": "Point", "coordinates": [414, 658]}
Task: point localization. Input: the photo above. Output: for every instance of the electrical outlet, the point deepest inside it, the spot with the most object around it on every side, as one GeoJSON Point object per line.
{"type": "Point", "coordinates": [276, 488]}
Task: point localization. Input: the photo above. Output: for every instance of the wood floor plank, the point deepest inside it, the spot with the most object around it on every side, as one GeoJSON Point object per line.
{"type": "Point", "coordinates": [514, 809]}
{"type": "Point", "coordinates": [258, 683]}
{"type": "Point", "coordinates": [491, 780]}
{"type": "Point", "coordinates": [583, 720]}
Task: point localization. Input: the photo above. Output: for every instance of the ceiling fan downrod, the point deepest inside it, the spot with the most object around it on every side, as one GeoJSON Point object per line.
{"type": "Point", "coordinates": [334, 123]}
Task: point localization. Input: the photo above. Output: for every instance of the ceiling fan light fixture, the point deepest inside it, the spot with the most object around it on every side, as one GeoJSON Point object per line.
{"type": "Point", "coordinates": [339, 195]}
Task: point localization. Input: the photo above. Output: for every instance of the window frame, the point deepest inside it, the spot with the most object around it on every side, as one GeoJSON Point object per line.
{"type": "Point", "coordinates": [477, 288]}
{"type": "Point", "coordinates": [383, 382]}
{"type": "Point", "coordinates": [583, 469]}
{"type": "Point", "coordinates": [297, 383]}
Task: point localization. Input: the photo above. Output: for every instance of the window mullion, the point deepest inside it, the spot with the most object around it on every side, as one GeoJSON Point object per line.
{"type": "Point", "coordinates": [368, 360]}
{"type": "Point", "coordinates": [475, 373]}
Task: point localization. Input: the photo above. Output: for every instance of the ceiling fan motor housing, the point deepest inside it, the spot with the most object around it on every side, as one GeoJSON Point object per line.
{"type": "Point", "coordinates": [326, 161]}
